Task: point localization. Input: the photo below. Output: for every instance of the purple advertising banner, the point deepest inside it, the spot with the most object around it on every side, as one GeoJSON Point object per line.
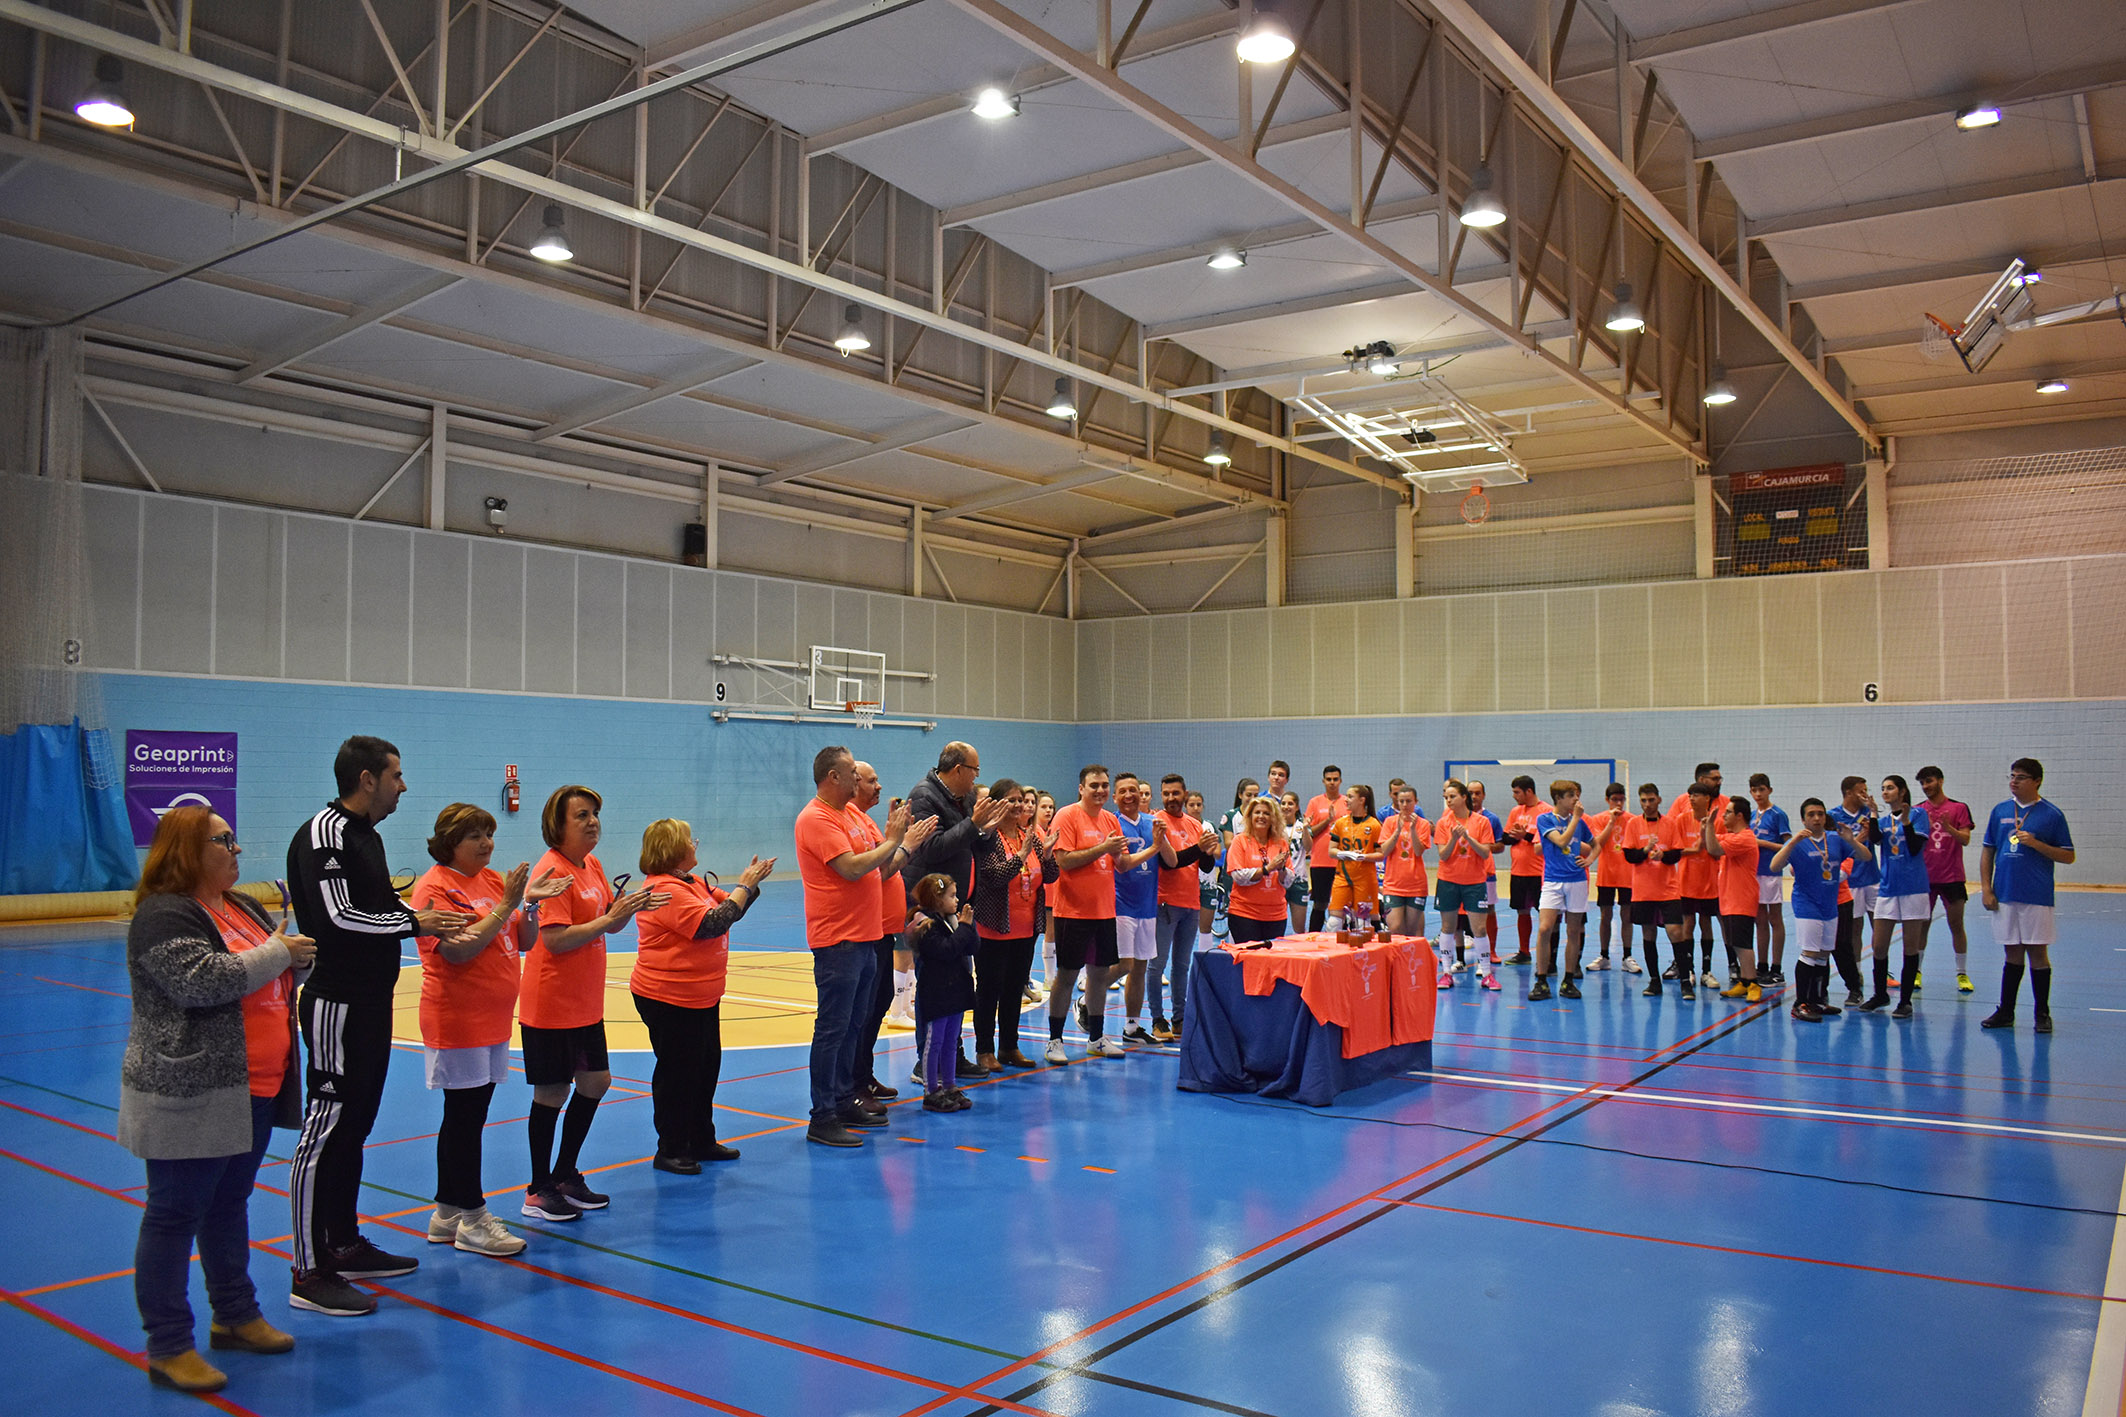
{"type": "Point", "coordinates": [165, 770]}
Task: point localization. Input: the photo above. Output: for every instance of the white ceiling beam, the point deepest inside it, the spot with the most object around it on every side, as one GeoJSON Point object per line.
{"type": "Point", "coordinates": [297, 350]}
{"type": "Point", "coordinates": [1784, 19]}
{"type": "Point", "coordinates": [707, 371]}
{"type": "Point", "coordinates": [686, 47]}
{"type": "Point", "coordinates": [1414, 349]}
{"type": "Point", "coordinates": [905, 435]}
{"type": "Point", "coordinates": [1026, 492]}
{"type": "Point", "coordinates": [1258, 239]}
{"type": "Point", "coordinates": [2046, 258]}
{"type": "Point", "coordinates": [1825, 218]}
{"type": "Point", "coordinates": [1107, 178]}
{"type": "Point", "coordinates": [1463, 19]}
{"type": "Point", "coordinates": [1304, 304]}
{"type": "Point", "coordinates": [2064, 84]}
{"type": "Point", "coordinates": [1184, 521]}
{"type": "Point", "coordinates": [1992, 378]}
{"type": "Point", "coordinates": [1147, 46]}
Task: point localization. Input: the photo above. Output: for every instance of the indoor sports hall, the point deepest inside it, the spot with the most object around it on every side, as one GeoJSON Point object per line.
{"type": "Point", "coordinates": [875, 503]}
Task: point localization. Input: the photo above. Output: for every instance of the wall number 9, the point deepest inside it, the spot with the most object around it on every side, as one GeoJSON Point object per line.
{"type": "Point", "coordinates": [721, 692]}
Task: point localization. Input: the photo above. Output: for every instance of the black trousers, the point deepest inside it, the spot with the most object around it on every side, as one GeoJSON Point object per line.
{"type": "Point", "coordinates": [689, 1048]}
{"type": "Point", "coordinates": [1320, 880]}
{"type": "Point", "coordinates": [458, 1146]}
{"type": "Point", "coordinates": [875, 1013]}
{"type": "Point", "coordinates": [1001, 969]}
{"type": "Point", "coordinates": [348, 1051]}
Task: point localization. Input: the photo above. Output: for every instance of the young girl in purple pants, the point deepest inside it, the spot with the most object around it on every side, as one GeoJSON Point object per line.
{"type": "Point", "coordinates": [942, 934]}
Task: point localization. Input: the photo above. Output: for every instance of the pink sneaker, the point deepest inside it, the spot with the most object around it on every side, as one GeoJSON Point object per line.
{"type": "Point", "coordinates": [1446, 981]}
{"type": "Point", "coordinates": [1491, 982]}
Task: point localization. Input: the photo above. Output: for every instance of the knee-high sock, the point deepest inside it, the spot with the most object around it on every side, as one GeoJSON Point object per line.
{"type": "Point", "coordinates": [1882, 977]}
{"type": "Point", "coordinates": [575, 1126]}
{"type": "Point", "coordinates": [2041, 991]}
{"type": "Point", "coordinates": [1652, 948]}
{"type": "Point", "coordinates": [2011, 985]}
{"type": "Point", "coordinates": [541, 1126]}
{"type": "Point", "coordinates": [1907, 979]}
{"type": "Point", "coordinates": [1524, 922]}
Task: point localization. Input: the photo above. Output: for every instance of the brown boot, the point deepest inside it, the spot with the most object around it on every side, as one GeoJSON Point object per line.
{"type": "Point", "coordinates": [986, 1060]}
{"type": "Point", "coordinates": [253, 1335]}
{"type": "Point", "coordinates": [187, 1372]}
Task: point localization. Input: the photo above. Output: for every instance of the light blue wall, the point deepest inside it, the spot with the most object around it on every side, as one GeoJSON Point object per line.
{"type": "Point", "coordinates": [1805, 750]}
{"type": "Point", "coordinates": [740, 784]}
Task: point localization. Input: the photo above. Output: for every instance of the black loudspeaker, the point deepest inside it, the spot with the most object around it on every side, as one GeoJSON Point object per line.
{"type": "Point", "coordinates": [694, 544]}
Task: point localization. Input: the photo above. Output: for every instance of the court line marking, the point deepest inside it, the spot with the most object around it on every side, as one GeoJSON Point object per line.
{"type": "Point", "coordinates": [1841, 1114]}
{"type": "Point", "coordinates": [96, 1340]}
{"type": "Point", "coordinates": [2106, 1394]}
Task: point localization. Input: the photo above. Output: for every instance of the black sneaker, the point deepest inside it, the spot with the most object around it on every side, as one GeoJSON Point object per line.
{"type": "Point", "coordinates": [1853, 998]}
{"type": "Point", "coordinates": [880, 1091]}
{"type": "Point", "coordinates": [1805, 1013]}
{"type": "Point", "coordinates": [1669, 973]}
{"type": "Point", "coordinates": [1875, 1003]}
{"type": "Point", "coordinates": [676, 1165]}
{"type": "Point", "coordinates": [1901, 1011]}
{"type": "Point", "coordinates": [2043, 1024]}
{"type": "Point", "coordinates": [1137, 1033]}
{"type": "Point", "coordinates": [1829, 1010]}
{"type": "Point", "coordinates": [1538, 991]}
{"type": "Point", "coordinates": [1523, 957]}
{"type": "Point", "coordinates": [1569, 989]}
{"type": "Point", "coordinates": [858, 1117]}
{"type": "Point", "coordinates": [581, 1196]}
{"type": "Point", "coordinates": [970, 1069]}
{"type": "Point", "coordinates": [1999, 1018]}
{"type": "Point", "coordinates": [323, 1292]}
{"type": "Point", "coordinates": [1690, 992]}
{"type": "Point", "coordinates": [832, 1134]}
{"type": "Point", "coordinates": [549, 1204]}
{"type": "Point", "coordinates": [1651, 991]}
{"type": "Point", "coordinates": [717, 1151]}
{"type": "Point", "coordinates": [362, 1260]}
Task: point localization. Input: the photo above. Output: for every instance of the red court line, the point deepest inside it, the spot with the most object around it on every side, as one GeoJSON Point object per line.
{"type": "Point", "coordinates": [75, 1283]}
{"type": "Point", "coordinates": [1766, 1254]}
{"type": "Point", "coordinates": [1377, 1194]}
{"type": "Point", "coordinates": [95, 1340]}
{"type": "Point", "coordinates": [48, 1117]}
{"type": "Point", "coordinates": [1720, 1022]}
{"type": "Point", "coordinates": [66, 1176]}
{"type": "Point", "coordinates": [85, 988]}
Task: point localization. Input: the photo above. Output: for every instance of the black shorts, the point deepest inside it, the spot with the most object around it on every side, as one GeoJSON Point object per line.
{"type": "Point", "coordinates": [1613, 895]}
{"type": "Point", "coordinates": [1656, 912]}
{"type": "Point", "coordinates": [553, 1056]}
{"type": "Point", "coordinates": [1739, 932]}
{"type": "Point", "coordinates": [1938, 891]}
{"type": "Point", "coordinates": [1083, 942]}
{"type": "Point", "coordinates": [1700, 905]}
{"type": "Point", "coordinates": [1524, 892]}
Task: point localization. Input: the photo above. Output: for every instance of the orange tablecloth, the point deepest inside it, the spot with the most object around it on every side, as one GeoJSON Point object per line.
{"type": "Point", "coordinates": [1378, 994]}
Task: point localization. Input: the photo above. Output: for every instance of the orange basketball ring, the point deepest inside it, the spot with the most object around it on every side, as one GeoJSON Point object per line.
{"type": "Point", "coordinates": [1476, 507]}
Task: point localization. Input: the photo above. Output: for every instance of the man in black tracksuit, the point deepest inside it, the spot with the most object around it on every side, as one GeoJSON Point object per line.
{"type": "Point", "coordinates": [344, 900]}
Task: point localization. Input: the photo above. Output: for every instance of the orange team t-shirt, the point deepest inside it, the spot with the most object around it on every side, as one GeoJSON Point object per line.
{"type": "Point", "coordinates": [1022, 895]}
{"type": "Point", "coordinates": [1323, 812]}
{"type": "Point", "coordinates": [1650, 879]}
{"type": "Point", "coordinates": [671, 966]}
{"type": "Point", "coordinates": [1264, 900]}
{"type": "Point", "coordinates": [469, 1005]}
{"type": "Point", "coordinates": [567, 990]}
{"type": "Point", "coordinates": [1698, 873]}
{"type": "Point", "coordinates": [1611, 869]}
{"type": "Point", "coordinates": [1738, 873]}
{"type": "Point", "coordinates": [1403, 868]}
{"type": "Point", "coordinates": [1459, 862]}
{"type": "Point", "coordinates": [1087, 893]}
{"type": "Point", "coordinates": [1526, 857]}
{"type": "Point", "coordinates": [1356, 881]}
{"type": "Point", "coordinates": [269, 1028]}
{"type": "Point", "coordinates": [892, 895]}
{"type": "Point", "coordinates": [836, 911]}
{"type": "Point", "coordinates": [1180, 887]}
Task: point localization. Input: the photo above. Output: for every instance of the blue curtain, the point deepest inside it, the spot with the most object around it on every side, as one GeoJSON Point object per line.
{"type": "Point", "coordinates": [64, 820]}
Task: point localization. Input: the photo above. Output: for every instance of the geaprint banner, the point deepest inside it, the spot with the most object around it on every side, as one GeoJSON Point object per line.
{"type": "Point", "coordinates": [165, 770]}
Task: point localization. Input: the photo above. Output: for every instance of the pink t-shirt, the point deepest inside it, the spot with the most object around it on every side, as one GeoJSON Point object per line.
{"type": "Point", "coordinates": [1944, 854]}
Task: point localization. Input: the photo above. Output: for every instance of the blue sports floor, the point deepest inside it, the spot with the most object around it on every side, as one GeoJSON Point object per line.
{"type": "Point", "coordinates": [1621, 1206]}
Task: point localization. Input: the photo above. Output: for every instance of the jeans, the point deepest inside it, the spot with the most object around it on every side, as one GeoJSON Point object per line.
{"type": "Point", "coordinates": [688, 1043]}
{"type": "Point", "coordinates": [842, 976]}
{"type": "Point", "coordinates": [875, 1012]}
{"type": "Point", "coordinates": [206, 1198]}
{"type": "Point", "coordinates": [1177, 940]}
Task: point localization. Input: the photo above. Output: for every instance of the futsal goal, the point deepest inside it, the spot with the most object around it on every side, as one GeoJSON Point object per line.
{"type": "Point", "coordinates": [1593, 774]}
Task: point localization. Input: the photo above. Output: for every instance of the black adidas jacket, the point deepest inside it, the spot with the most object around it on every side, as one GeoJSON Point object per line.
{"type": "Point", "coordinates": [341, 883]}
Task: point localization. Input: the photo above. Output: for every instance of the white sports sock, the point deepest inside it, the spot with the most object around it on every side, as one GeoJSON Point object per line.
{"type": "Point", "coordinates": [1960, 963]}
{"type": "Point", "coordinates": [903, 981]}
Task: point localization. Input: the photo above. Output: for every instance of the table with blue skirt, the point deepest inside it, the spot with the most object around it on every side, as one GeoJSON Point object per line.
{"type": "Point", "coordinates": [1309, 1017]}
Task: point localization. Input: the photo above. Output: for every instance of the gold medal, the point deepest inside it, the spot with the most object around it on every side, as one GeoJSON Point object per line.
{"type": "Point", "coordinates": [2015, 839]}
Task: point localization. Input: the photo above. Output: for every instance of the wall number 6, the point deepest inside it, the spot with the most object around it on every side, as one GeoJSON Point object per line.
{"type": "Point", "coordinates": [1871, 693]}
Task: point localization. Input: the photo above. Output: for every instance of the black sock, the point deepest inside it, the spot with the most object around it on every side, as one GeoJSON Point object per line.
{"type": "Point", "coordinates": [575, 1126]}
{"type": "Point", "coordinates": [1055, 1028]}
{"type": "Point", "coordinates": [2011, 985]}
{"type": "Point", "coordinates": [1882, 976]}
{"type": "Point", "coordinates": [1906, 980]}
{"type": "Point", "coordinates": [2041, 990]}
{"type": "Point", "coordinates": [541, 1128]}
{"type": "Point", "coordinates": [1814, 983]}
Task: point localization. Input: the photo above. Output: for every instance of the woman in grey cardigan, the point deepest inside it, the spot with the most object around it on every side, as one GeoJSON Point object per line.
{"type": "Point", "coordinates": [210, 1069]}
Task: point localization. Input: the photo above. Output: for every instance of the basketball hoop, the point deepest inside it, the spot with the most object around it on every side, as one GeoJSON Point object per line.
{"type": "Point", "coordinates": [1937, 338]}
{"type": "Point", "coordinates": [1476, 507]}
{"type": "Point", "coordinates": [864, 711]}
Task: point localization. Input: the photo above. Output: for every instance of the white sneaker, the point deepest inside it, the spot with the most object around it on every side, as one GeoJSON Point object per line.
{"type": "Point", "coordinates": [1104, 1048]}
{"type": "Point", "coordinates": [1706, 980]}
{"type": "Point", "coordinates": [1598, 962]}
{"type": "Point", "coordinates": [479, 1233]}
{"type": "Point", "coordinates": [1632, 965]}
{"type": "Point", "coordinates": [1055, 1053]}
{"type": "Point", "coordinates": [1034, 993]}
{"type": "Point", "coordinates": [1461, 966]}
{"type": "Point", "coordinates": [901, 1020]}
{"type": "Point", "coordinates": [442, 1229]}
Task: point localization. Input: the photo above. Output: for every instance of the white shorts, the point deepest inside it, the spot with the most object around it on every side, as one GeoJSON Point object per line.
{"type": "Point", "coordinates": [1903, 907]}
{"type": "Point", "coordinates": [1864, 901]}
{"type": "Point", "coordinates": [1815, 937]}
{"type": "Point", "coordinates": [2018, 924]}
{"type": "Point", "coordinates": [1568, 896]}
{"type": "Point", "coordinates": [1136, 939]}
{"type": "Point", "coordinates": [1771, 890]}
{"type": "Point", "coordinates": [466, 1067]}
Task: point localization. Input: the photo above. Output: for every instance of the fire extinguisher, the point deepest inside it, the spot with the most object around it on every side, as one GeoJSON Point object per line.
{"type": "Point", "coordinates": [509, 786]}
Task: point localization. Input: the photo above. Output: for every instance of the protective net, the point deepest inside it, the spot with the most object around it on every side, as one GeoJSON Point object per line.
{"type": "Point", "coordinates": [1951, 510]}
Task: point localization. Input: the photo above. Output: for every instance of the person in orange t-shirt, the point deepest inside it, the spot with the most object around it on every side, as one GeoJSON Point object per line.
{"type": "Point", "coordinates": [682, 951]}
{"type": "Point", "coordinates": [1653, 846]}
{"type": "Point", "coordinates": [1698, 880]}
{"type": "Point", "coordinates": [468, 1004]}
{"type": "Point", "coordinates": [1613, 877]}
{"type": "Point", "coordinates": [1405, 837]}
{"type": "Point", "coordinates": [1354, 899]}
{"type": "Point", "coordinates": [1321, 814]}
{"type": "Point", "coordinates": [1089, 843]}
{"type": "Point", "coordinates": [842, 872]}
{"type": "Point", "coordinates": [1464, 838]}
{"type": "Point", "coordinates": [561, 1003]}
{"type": "Point", "coordinates": [1730, 841]}
{"type": "Point", "coordinates": [1189, 847]}
{"type": "Point", "coordinates": [1260, 863]}
{"type": "Point", "coordinates": [1524, 861]}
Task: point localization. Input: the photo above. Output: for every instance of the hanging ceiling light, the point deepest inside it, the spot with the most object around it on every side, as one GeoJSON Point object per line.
{"type": "Point", "coordinates": [1420, 437]}
{"type": "Point", "coordinates": [1218, 456]}
{"type": "Point", "coordinates": [993, 103]}
{"type": "Point", "coordinates": [1268, 40]}
{"type": "Point", "coordinates": [1719, 392]}
{"type": "Point", "coordinates": [551, 244]}
{"type": "Point", "coordinates": [1483, 208]}
{"type": "Point", "coordinates": [1624, 316]}
{"type": "Point", "coordinates": [2031, 276]}
{"type": "Point", "coordinates": [1227, 258]}
{"type": "Point", "coordinates": [1063, 405]}
{"type": "Point", "coordinates": [2052, 386]}
{"type": "Point", "coordinates": [1978, 115]}
{"type": "Point", "coordinates": [851, 337]}
{"type": "Point", "coordinates": [104, 104]}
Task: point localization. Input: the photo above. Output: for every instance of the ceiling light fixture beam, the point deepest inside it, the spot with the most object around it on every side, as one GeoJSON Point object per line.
{"type": "Point", "coordinates": [1257, 241]}
{"type": "Point", "coordinates": [295, 351]}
